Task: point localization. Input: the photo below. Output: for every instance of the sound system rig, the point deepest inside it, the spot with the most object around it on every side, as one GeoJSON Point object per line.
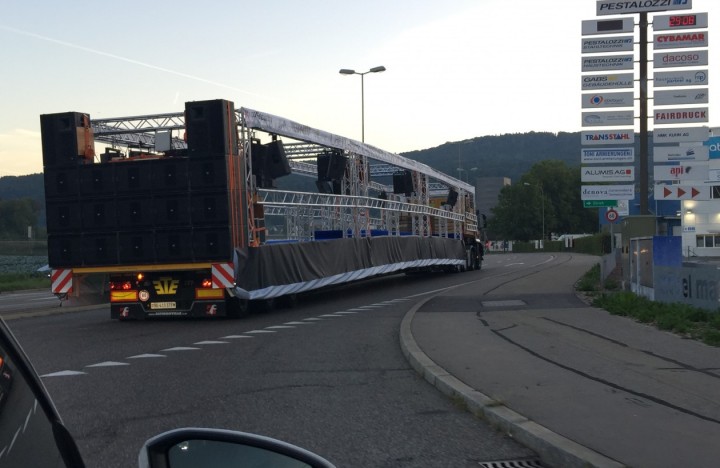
{"type": "Point", "coordinates": [143, 211]}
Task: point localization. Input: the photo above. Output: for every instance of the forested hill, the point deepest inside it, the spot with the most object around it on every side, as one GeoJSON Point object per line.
{"type": "Point", "coordinates": [509, 155]}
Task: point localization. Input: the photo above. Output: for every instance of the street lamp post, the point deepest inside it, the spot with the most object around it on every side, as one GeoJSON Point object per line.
{"type": "Point", "coordinates": [542, 203]}
{"type": "Point", "coordinates": [346, 71]}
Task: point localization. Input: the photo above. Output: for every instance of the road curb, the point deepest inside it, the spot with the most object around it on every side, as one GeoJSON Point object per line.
{"type": "Point", "coordinates": [553, 449]}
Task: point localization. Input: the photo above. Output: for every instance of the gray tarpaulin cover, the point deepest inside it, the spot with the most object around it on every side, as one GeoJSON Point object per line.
{"type": "Point", "coordinates": [274, 270]}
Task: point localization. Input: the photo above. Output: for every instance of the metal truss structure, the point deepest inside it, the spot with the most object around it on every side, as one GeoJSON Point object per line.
{"type": "Point", "coordinates": [364, 204]}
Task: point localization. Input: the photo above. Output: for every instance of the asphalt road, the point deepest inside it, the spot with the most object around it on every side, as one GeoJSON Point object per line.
{"type": "Point", "coordinates": [327, 375]}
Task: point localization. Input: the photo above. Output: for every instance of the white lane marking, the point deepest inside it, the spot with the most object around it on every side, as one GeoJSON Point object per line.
{"type": "Point", "coordinates": [279, 327]}
{"type": "Point", "coordinates": [234, 337]}
{"type": "Point", "coordinates": [298, 323]}
{"type": "Point", "coordinates": [347, 312]}
{"type": "Point", "coordinates": [314, 319]}
{"type": "Point", "coordinates": [64, 373]}
{"type": "Point", "coordinates": [260, 331]}
{"type": "Point", "coordinates": [210, 342]}
{"type": "Point", "coordinates": [178, 348]}
{"type": "Point", "coordinates": [330, 315]}
{"type": "Point", "coordinates": [109, 364]}
{"type": "Point", "coordinates": [368, 307]}
{"type": "Point", "coordinates": [147, 355]}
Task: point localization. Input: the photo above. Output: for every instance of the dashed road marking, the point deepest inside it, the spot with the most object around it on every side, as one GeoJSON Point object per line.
{"type": "Point", "coordinates": [109, 364]}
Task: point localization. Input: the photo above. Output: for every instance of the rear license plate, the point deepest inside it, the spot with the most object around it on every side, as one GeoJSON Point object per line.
{"type": "Point", "coordinates": [163, 305]}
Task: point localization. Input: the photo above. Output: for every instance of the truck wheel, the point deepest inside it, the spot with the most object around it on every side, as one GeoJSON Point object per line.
{"type": "Point", "coordinates": [237, 308]}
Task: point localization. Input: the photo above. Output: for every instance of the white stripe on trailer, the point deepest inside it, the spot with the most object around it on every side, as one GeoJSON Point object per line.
{"type": "Point", "coordinates": [223, 275]}
{"type": "Point", "coordinates": [61, 281]}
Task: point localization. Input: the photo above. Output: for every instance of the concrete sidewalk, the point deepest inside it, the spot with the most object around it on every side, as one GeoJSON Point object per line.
{"type": "Point", "coordinates": [575, 384]}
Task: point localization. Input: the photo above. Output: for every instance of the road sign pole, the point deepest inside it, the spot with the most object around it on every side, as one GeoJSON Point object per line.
{"type": "Point", "coordinates": [644, 139]}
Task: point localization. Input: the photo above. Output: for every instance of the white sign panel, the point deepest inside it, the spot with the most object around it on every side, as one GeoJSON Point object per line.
{"type": "Point", "coordinates": [681, 115]}
{"type": "Point", "coordinates": [607, 174]}
{"type": "Point", "coordinates": [608, 62]}
{"type": "Point", "coordinates": [681, 153]}
{"type": "Point", "coordinates": [607, 156]}
{"type": "Point", "coordinates": [682, 192]}
{"type": "Point", "coordinates": [607, 192]}
{"type": "Point", "coordinates": [678, 134]}
{"type": "Point", "coordinates": [621, 25]}
{"type": "Point", "coordinates": [680, 40]}
{"type": "Point", "coordinates": [680, 78]}
{"type": "Point", "coordinates": [608, 118]}
{"type": "Point", "coordinates": [592, 45]}
{"type": "Point", "coordinates": [691, 58]}
{"type": "Point", "coordinates": [681, 21]}
{"type": "Point", "coordinates": [623, 207]}
{"type": "Point", "coordinates": [608, 137]}
{"type": "Point", "coordinates": [615, 7]}
{"type": "Point", "coordinates": [682, 172]}
{"type": "Point", "coordinates": [618, 80]}
{"type": "Point", "coordinates": [681, 96]}
{"type": "Point", "coordinates": [714, 175]}
{"type": "Point", "coordinates": [600, 100]}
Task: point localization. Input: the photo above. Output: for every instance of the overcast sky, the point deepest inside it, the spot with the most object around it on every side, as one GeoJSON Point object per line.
{"type": "Point", "coordinates": [456, 69]}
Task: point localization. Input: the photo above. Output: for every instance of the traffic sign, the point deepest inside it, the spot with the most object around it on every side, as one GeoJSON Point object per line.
{"type": "Point", "coordinates": [611, 215]}
{"type": "Point", "coordinates": [599, 203]}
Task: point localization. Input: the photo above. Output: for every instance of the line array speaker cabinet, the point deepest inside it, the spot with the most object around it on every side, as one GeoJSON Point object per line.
{"type": "Point", "coordinates": [452, 197]}
{"type": "Point", "coordinates": [403, 183]}
{"type": "Point", "coordinates": [211, 128]}
{"type": "Point", "coordinates": [63, 140]}
{"type": "Point", "coordinates": [331, 166]}
{"type": "Point", "coordinates": [276, 161]}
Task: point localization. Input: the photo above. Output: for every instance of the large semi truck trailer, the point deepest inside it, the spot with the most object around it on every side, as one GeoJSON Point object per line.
{"type": "Point", "coordinates": [174, 213]}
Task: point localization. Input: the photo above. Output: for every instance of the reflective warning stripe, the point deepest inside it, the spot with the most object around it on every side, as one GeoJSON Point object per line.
{"type": "Point", "coordinates": [61, 281]}
{"type": "Point", "coordinates": [223, 275]}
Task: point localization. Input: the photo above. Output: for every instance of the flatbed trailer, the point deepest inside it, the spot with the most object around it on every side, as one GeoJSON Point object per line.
{"type": "Point", "coordinates": [178, 222]}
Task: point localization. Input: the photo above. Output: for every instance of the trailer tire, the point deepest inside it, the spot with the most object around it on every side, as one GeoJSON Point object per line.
{"type": "Point", "coordinates": [237, 308]}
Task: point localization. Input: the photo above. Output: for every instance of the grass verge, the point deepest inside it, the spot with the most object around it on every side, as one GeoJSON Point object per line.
{"type": "Point", "coordinates": [682, 319]}
{"type": "Point", "coordinates": [19, 281]}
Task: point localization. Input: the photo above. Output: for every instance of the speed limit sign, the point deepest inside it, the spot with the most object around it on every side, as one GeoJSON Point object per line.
{"type": "Point", "coordinates": [611, 215]}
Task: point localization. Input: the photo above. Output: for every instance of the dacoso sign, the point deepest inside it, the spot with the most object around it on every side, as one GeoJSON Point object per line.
{"type": "Point", "coordinates": [680, 59]}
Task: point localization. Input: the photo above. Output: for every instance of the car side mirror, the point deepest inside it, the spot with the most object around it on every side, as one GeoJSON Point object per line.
{"type": "Point", "coordinates": [31, 431]}
{"type": "Point", "coordinates": [218, 448]}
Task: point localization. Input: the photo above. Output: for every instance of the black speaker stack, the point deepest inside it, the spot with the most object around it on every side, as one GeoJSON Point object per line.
{"type": "Point", "coordinates": [142, 211]}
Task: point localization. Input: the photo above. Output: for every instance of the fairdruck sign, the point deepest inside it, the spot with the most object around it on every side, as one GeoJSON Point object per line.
{"type": "Point", "coordinates": [614, 7]}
